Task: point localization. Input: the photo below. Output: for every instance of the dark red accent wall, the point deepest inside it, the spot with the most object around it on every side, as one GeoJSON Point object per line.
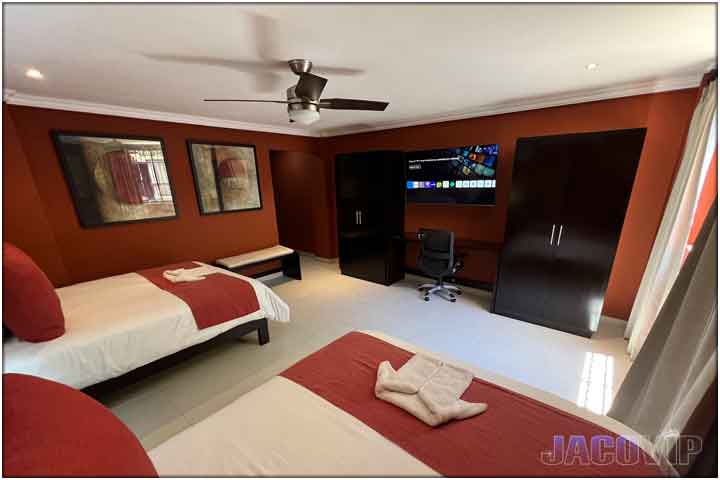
{"type": "Point", "coordinates": [71, 254]}
{"type": "Point", "coordinates": [25, 222]}
{"type": "Point", "coordinates": [666, 117]}
{"type": "Point", "coordinates": [708, 195]}
{"type": "Point", "coordinates": [97, 252]}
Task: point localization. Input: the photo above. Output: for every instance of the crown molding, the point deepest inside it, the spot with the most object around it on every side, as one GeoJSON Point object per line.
{"type": "Point", "coordinates": [13, 97]}
{"type": "Point", "coordinates": [535, 103]}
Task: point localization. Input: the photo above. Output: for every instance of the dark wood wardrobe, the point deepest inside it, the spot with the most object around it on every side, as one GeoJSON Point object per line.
{"type": "Point", "coordinates": [567, 208]}
{"type": "Point", "coordinates": [370, 190]}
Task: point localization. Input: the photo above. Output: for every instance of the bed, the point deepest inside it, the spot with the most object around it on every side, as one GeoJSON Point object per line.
{"type": "Point", "coordinates": [116, 324]}
{"type": "Point", "coordinates": [321, 418]}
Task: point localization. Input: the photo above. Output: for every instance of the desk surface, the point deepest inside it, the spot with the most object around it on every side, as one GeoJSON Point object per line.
{"type": "Point", "coordinates": [466, 243]}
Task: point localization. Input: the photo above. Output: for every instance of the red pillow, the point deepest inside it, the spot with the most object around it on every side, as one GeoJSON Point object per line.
{"type": "Point", "coordinates": [52, 430]}
{"type": "Point", "coordinates": [31, 308]}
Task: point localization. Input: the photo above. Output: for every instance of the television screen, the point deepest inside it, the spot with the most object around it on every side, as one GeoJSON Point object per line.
{"type": "Point", "coordinates": [462, 175]}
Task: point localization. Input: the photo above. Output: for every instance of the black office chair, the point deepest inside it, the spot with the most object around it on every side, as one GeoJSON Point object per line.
{"type": "Point", "coordinates": [437, 260]}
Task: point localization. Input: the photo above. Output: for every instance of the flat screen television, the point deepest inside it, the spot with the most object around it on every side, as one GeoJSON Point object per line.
{"type": "Point", "coordinates": [461, 175]}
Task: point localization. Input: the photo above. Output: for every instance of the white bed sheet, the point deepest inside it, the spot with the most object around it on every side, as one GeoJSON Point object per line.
{"type": "Point", "coordinates": [116, 324]}
{"type": "Point", "coordinates": [283, 429]}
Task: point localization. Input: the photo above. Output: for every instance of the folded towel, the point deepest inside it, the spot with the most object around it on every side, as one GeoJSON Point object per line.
{"type": "Point", "coordinates": [412, 376]}
{"type": "Point", "coordinates": [428, 389]}
{"type": "Point", "coordinates": [442, 393]}
{"type": "Point", "coordinates": [186, 274]}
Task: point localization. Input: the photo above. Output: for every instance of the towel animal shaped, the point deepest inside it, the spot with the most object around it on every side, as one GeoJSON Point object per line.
{"type": "Point", "coordinates": [427, 388]}
{"type": "Point", "coordinates": [187, 274]}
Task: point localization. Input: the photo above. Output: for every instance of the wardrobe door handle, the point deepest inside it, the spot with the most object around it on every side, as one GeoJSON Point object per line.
{"type": "Point", "coordinates": [560, 234]}
{"type": "Point", "coordinates": [360, 212]}
{"type": "Point", "coordinates": [552, 234]}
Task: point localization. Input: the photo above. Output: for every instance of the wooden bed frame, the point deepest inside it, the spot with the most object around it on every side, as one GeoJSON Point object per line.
{"type": "Point", "coordinates": [260, 326]}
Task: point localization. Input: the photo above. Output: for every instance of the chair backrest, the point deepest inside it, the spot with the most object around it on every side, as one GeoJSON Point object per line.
{"type": "Point", "coordinates": [436, 252]}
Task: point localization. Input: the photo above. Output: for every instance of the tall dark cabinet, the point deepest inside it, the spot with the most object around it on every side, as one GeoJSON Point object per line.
{"type": "Point", "coordinates": [370, 203]}
{"type": "Point", "coordinates": [567, 208]}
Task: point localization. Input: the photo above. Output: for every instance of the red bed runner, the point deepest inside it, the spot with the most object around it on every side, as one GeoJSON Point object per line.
{"type": "Point", "coordinates": [507, 440]}
{"type": "Point", "coordinates": [215, 300]}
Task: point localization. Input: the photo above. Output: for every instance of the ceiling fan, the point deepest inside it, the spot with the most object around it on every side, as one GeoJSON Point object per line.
{"type": "Point", "coordinates": [303, 99]}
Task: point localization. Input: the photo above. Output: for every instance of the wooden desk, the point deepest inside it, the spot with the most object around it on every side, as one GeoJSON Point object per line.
{"type": "Point", "coordinates": [467, 249]}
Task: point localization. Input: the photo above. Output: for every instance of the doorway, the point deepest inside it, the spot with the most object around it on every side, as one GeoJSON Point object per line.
{"type": "Point", "coordinates": [297, 180]}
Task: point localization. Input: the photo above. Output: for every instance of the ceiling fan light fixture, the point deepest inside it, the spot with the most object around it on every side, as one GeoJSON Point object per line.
{"type": "Point", "coordinates": [304, 116]}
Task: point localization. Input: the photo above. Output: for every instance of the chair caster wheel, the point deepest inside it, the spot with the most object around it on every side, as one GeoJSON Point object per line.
{"type": "Point", "coordinates": [458, 293]}
{"type": "Point", "coordinates": [427, 299]}
{"type": "Point", "coordinates": [453, 300]}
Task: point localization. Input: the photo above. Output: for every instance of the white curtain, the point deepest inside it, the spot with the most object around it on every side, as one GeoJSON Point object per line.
{"type": "Point", "coordinates": [668, 250]}
{"type": "Point", "coordinates": [677, 366]}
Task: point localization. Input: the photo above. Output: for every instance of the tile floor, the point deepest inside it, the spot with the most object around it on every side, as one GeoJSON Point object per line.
{"type": "Point", "coordinates": [326, 305]}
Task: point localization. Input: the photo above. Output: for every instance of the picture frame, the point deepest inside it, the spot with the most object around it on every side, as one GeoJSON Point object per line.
{"type": "Point", "coordinates": [226, 176]}
{"type": "Point", "coordinates": [116, 178]}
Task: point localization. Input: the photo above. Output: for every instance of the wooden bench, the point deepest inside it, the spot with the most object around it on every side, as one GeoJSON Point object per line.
{"type": "Point", "coordinates": [290, 261]}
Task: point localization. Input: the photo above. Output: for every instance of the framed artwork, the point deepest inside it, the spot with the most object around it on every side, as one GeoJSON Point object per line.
{"type": "Point", "coordinates": [116, 179]}
{"type": "Point", "coordinates": [226, 177]}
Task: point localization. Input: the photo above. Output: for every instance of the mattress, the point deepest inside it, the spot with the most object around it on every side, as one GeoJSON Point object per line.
{"type": "Point", "coordinates": [305, 423]}
{"type": "Point", "coordinates": [119, 323]}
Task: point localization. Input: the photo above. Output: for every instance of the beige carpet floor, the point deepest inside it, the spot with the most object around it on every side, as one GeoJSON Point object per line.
{"type": "Point", "coordinates": [325, 305]}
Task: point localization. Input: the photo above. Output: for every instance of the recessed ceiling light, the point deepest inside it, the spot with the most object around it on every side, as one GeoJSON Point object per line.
{"type": "Point", "coordinates": [591, 66]}
{"type": "Point", "coordinates": [34, 73]}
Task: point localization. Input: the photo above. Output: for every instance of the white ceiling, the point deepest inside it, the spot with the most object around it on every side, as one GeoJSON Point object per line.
{"type": "Point", "coordinates": [429, 61]}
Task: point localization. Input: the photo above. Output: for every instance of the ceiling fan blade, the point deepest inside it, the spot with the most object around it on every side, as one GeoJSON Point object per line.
{"type": "Point", "coordinates": [350, 104]}
{"type": "Point", "coordinates": [341, 71]}
{"type": "Point", "coordinates": [267, 72]}
{"type": "Point", "coordinates": [310, 86]}
{"type": "Point", "coordinates": [249, 66]}
{"type": "Point", "coordinates": [266, 35]}
{"type": "Point", "coordinates": [240, 100]}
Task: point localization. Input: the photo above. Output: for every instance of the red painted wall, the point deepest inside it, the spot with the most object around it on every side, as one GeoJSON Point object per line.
{"type": "Point", "coordinates": [665, 115]}
{"type": "Point", "coordinates": [92, 253]}
{"type": "Point", "coordinates": [25, 222]}
{"type": "Point", "coordinates": [708, 194]}
{"type": "Point", "coordinates": [97, 252]}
